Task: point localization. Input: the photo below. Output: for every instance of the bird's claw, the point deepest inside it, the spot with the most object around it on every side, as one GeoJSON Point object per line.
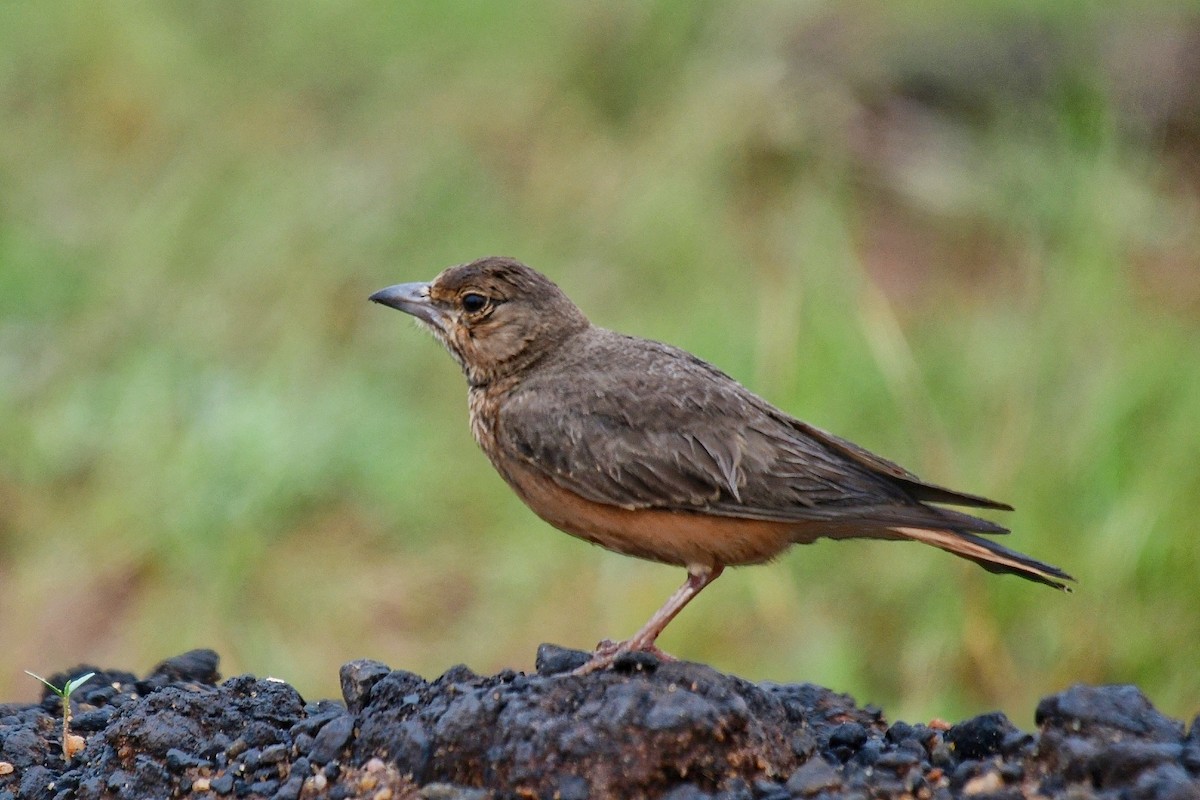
{"type": "Point", "coordinates": [609, 652]}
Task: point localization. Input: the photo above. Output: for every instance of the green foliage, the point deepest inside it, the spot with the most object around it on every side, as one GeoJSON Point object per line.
{"type": "Point", "coordinates": [64, 694]}
{"type": "Point", "coordinates": [948, 235]}
{"type": "Point", "coordinates": [67, 688]}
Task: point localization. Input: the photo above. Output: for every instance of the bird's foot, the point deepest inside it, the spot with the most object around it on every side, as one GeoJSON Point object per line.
{"type": "Point", "coordinates": [609, 652]}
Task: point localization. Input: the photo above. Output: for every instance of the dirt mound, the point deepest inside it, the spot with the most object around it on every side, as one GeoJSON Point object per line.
{"type": "Point", "coordinates": [644, 729]}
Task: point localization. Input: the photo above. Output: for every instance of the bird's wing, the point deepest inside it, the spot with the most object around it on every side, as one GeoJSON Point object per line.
{"type": "Point", "coordinates": [675, 433]}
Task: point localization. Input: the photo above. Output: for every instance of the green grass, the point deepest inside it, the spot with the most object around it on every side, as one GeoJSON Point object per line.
{"type": "Point", "coordinates": [205, 421]}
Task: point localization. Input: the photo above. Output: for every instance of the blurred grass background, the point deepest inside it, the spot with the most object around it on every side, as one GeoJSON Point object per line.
{"type": "Point", "coordinates": [963, 235]}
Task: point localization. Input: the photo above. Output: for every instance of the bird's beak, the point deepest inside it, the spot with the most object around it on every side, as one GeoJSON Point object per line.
{"type": "Point", "coordinates": [411, 298]}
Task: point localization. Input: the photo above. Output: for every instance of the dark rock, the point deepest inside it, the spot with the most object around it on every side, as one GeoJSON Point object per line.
{"type": "Point", "coordinates": [735, 789]}
{"type": "Point", "coordinates": [175, 717]}
{"type": "Point", "coordinates": [686, 791]}
{"type": "Point", "coordinates": [313, 723]}
{"type": "Point", "coordinates": [456, 675]}
{"type": "Point", "coordinates": [358, 678]}
{"type": "Point", "coordinates": [274, 753]}
{"type": "Point", "coordinates": [150, 778]}
{"type": "Point", "coordinates": [1012, 772]}
{"type": "Point", "coordinates": [898, 760]}
{"type": "Point", "coordinates": [1110, 738]}
{"type": "Point", "coordinates": [68, 781]}
{"type": "Point", "coordinates": [553, 660]}
{"type": "Point", "coordinates": [573, 787]}
{"type": "Point", "coordinates": [899, 731]}
{"type": "Point", "coordinates": [118, 781]}
{"type": "Point", "coordinates": [95, 720]}
{"type": "Point", "coordinates": [636, 661]}
{"type": "Point", "coordinates": [177, 760]}
{"type": "Point", "coordinates": [261, 733]}
{"type": "Point", "coordinates": [22, 747]}
{"type": "Point", "coordinates": [1123, 762]}
{"type": "Point", "coordinates": [1111, 711]}
{"type": "Point", "coordinates": [940, 754]}
{"type": "Point", "coordinates": [90, 788]}
{"type": "Point", "coordinates": [319, 707]}
{"type": "Point", "coordinates": [331, 739]}
{"type": "Point", "coordinates": [398, 688]}
{"type": "Point", "coordinates": [249, 759]}
{"type": "Point", "coordinates": [447, 791]}
{"type": "Point", "coordinates": [680, 709]}
{"type": "Point", "coordinates": [763, 787]}
{"type": "Point", "coordinates": [803, 743]}
{"type": "Point", "coordinates": [1018, 744]}
{"type": "Point", "coordinates": [95, 695]}
{"type": "Point", "coordinates": [656, 729]}
{"type": "Point", "coordinates": [1068, 757]}
{"type": "Point", "coordinates": [846, 739]}
{"type": "Point", "coordinates": [222, 784]}
{"type": "Point", "coordinates": [290, 790]}
{"type": "Point", "coordinates": [1191, 749]}
{"type": "Point", "coordinates": [36, 784]}
{"type": "Point", "coordinates": [779, 794]}
{"type": "Point", "coordinates": [966, 771]}
{"type": "Point", "coordinates": [1165, 782]}
{"type": "Point", "coordinates": [603, 728]}
{"type": "Point", "coordinates": [813, 777]}
{"type": "Point", "coordinates": [980, 737]}
{"type": "Point", "coordinates": [217, 747]}
{"type": "Point", "coordinates": [194, 666]}
{"type": "Point", "coordinates": [869, 753]}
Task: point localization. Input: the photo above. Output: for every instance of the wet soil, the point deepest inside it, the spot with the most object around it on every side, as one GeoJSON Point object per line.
{"type": "Point", "coordinates": [644, 729]}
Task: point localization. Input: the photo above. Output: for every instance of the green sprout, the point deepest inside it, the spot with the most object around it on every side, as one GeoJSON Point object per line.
{"type": "Point", "coordinates": [70, 744]}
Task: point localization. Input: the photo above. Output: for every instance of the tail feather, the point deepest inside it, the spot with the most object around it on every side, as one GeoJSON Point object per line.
{"type": "Point", "coordinates": [932, 493]}
{"type": "Point", "coordinates": [989, 555]}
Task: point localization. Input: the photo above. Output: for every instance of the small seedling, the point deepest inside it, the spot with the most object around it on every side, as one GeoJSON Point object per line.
{"type": "Point", "coordinates": [70, 744]}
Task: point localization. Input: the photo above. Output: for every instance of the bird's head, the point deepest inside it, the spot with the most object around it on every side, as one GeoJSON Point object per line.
{"type": "Point", "coordinates": [496, 316]}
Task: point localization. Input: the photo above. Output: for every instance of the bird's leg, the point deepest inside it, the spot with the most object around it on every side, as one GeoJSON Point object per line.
{"type": "Point", "coordinates": [699, 576]}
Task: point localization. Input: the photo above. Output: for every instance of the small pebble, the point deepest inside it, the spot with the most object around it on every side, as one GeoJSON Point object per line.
{"type": "Point", "coordinates": [813, 777]}
{"type": "Point", "coordinates": [554, 660]}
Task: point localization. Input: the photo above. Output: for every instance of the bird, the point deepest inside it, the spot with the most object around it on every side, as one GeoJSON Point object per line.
{"type": "Point", "coordinates": [644, 449]}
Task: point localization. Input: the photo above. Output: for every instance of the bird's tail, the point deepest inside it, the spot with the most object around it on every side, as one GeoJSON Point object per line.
{"type": "Point", "coordinates": [989, 555]}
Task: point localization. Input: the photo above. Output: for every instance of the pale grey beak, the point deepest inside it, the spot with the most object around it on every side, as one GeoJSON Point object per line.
{"type": "Point", "coordinates": [411, 298]}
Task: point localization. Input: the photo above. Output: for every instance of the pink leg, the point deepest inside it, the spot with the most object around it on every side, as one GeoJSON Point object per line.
{"type": "Point", "coordinates": [643, 640]}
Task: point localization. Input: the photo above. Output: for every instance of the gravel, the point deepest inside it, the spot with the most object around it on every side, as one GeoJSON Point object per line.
{"type": "Point", "coordinates": [644, 729]}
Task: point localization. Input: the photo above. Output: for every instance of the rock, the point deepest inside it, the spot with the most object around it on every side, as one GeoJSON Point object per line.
{"type": "Point", "coordinates": [446, 791]}
{"type": "Point", "coordinates": [980, 737]}
{"type": "Point", "coordinates": [620, 732]}
{"type": "Point", "coordinates": [331, 739]}
{"type": "Point", "coordinates": [553, 660]}
{"type": "Point", "coordinates": [846, 739]}
{"type": "Point", "coordinates": [1105, 736]}
{"type": "Point", "coordinates": [1114, 712]}
{"type": "Point", "coordinates": [194, 666]}
{"type": "Point", "coordinates": [813, 777]}
{"type": "Point", "coordinates": [1191, 749]}
{"type": "Point", "coordinates": [357, 679]}
{"type": "Point", "coordinates": [36, 784]}
{"type": "Point", "coordinates": [650, 728]}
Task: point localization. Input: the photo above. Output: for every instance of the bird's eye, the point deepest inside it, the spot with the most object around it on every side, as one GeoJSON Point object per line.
{"type": "Point", "coordinates": [473, 302]}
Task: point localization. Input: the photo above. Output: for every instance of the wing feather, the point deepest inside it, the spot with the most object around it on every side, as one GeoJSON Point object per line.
{"type": "Point", "coordinates": [708, 446]}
